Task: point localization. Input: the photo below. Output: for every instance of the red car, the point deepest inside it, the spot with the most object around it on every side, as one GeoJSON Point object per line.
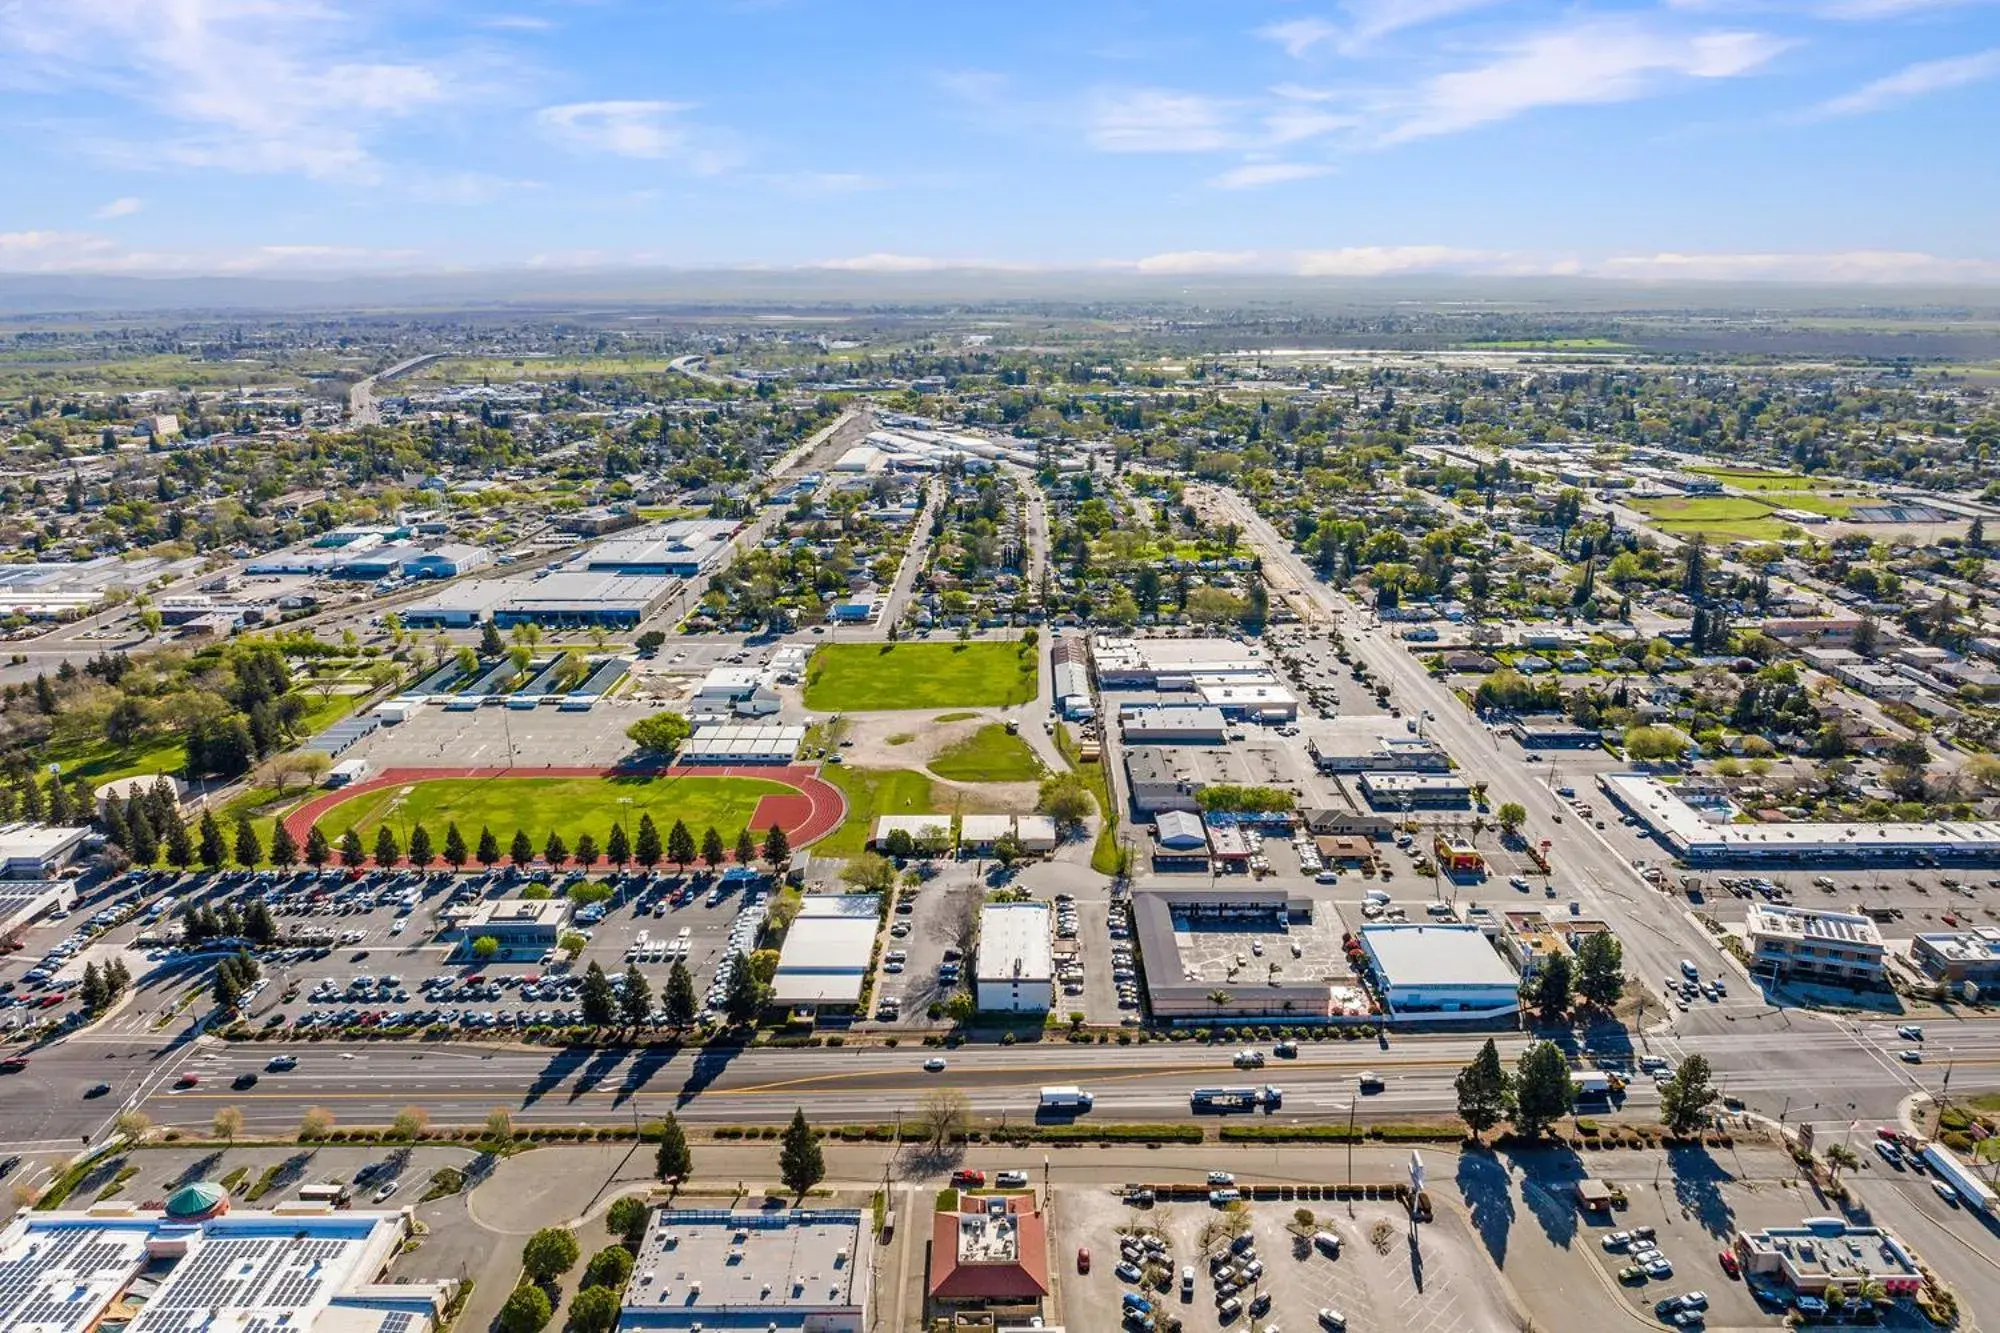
{"type": "Point", "coordinates": [1727, 1259]}
{"type": "Point", "coordinates": [13, 1064]}
{"type": "Point", "coordinates": [968, 1179]}
{"type": "Point", "coordinates": [1083, 1258]}
{"type": "Point", "coordinates": [187, 1081]}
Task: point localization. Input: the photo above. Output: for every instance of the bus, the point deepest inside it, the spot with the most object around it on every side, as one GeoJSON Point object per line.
{"type": "Point", "coordinates": [330, 1193]}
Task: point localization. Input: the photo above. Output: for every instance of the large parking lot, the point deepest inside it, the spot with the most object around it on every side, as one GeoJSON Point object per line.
{"type": "Point", "coordinates": [504, 737]}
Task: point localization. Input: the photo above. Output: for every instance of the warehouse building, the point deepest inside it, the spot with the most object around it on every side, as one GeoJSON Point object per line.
{"type": "Point", "coordinates": [1794, 944]}
{"type": "Point", "coordinates": [583, 597]}
{"type": "Point", "coordinates": [1414, 791]}
{"type": "Point", "coordinates": [1364, 745]}
{"type": "Point", "coordinates": [1172, 724]}
{"type": "Point", "coordinates": [38, 851]}
{"type": "Point", "coordinates": [447, 560]}
{"type": "Point", "coordinates": [195, 1264]}
{"type": "Point", "coordinates": [1016, 968]}
{"type": "Point", "coordinates": [681, 549]}
{"type": "Point", "coordinates": [1178, 664]}
{"type": "Point", "coordinates": [461, 606]}
{"type": "Point", "coordinates": [1158, 783]}
{"type": "Point", "coordinates": [777, 1271]}
{"type": "Point", "coordinates": [1439, 971]}
{"type": "Point", "coordinates": [1254, 701]}
{"type": "Point", "coordinates": [827, 950]}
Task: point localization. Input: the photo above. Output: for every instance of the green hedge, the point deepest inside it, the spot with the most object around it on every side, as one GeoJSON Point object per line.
{"type": "Point", "coordinates": [1097, 1134]}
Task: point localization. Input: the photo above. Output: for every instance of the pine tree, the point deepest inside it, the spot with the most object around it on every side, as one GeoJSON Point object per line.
{"type": "Point", "coordinates": [680, 845]}
{"type": "Point", "coordinates": [746, 848]}
{"type": "Point", "coordinates": [249, 851]}
{"type": "Point", "coordinates": [713, 851]}
{"type": "Point", "coordinates": [144, 847]}
{"type": "Point", "coordinates": [680, 999]}
{"type": "Point", "coordinates": [617, 848]}
{"type": "Point", "coordinates": [421, 853]}
{"type": "Point", "coordinates": [743, 999]}
{"type": "Point", "coordinates": [674, 1161]}
{"type": "Point", "coordinates": [777, 846]}
{"type": "Point", "coordinates": [116, 831]}
{"type": "Point", "coordinates": [1482, 1090]}
{"type": "Point", "coordinates": [212, 849]}
{"type": "Point", "coordinates": [555, 851]}
{"type": "Point", "coordinates": [488, 854]}
{"type": "Point", "coordinates": [387, 850]}
{"type": "Point", "coordinates": [522, 851]}
{"type": "Point", "coordinates": [180, 844]}
{"type": "Point", "coordinates": [1543, 1093]}
{"type": "Point", "coordinates": [454, 847]}
{"type": "Point", "coordinates": [352, 853]}
{"type": "Point", "coordinates": [93, 989]}
{"type": "Point", "coordinates": [284, 849]}
{"type": "Point", "coordinates": [646, 847]}
{"type": "Point", "coordinates": [595, 999]}
{"type": "Point", "coordinates": [318, 850]}
{"type": "Point", "coordinates": [1686, 1097]}
{"type": "Point", "coordinates": [1600, 964]}
{"type": "Point", "coordinates": [801, 1165]}
{"type": "Point", "coordinates": [1554, 985]}
{"type": "Point", "coordinates": [258, 927]}
{"type": "Point", "coordinates": [635, 1002]}
{"type": "Point", "coordinates": [586, 851]}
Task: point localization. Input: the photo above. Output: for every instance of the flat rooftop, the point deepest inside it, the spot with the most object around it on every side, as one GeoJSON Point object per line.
{"type": "Point", "coordinates": [1014, 943]}
{"type": "Point", "coordinates": [1420, 954]}
{"type": "Point", "coordinates": [827, 949]}
{"type": "Point", "coordinates": [1663, 811]}
{"type": "Point", "coordinates": [742, 1268]}
{"type": "Point", "coordinates": [1965, 946]}
{"type": "Point", "coordinates": [1798, 923]}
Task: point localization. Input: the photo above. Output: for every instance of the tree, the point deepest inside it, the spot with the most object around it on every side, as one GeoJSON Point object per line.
{"type": "Point", "coordinates": [315, 1124]}
{"type": "Point", "coordinates": [617, 847]}
{"type": "Point", "coordinates": [609, 1267]}
{"type": "Point", "coordinates": [1483, 1091]}
{"type": "Point", "coordinates": [132, 1125]}
{"type": "Point", "coordinates": [1008, 848]}
{"type": "Point", "coordinates": [746, 848]}
{"type": "Point", "coordinates": [284, 848]}
{"type": "Point", "coordinates": [680, 845]}
{"type": "Point", "coordinates": [521, 851]}
{"type": "Point", "coordinates": [627, 1219]}
{"type": "Point", "coordinates": [485, 948]}
{"type": "Point", "coordinates": [1542, 1090]}
{"type": "Point", "coordinates": [499, 1126]}
{"type": "Point", "coordinates": [550, 1253]}
{"type": "Point", "coordinates": [1512, 815]}
{"type": "Point", "coordinates": [1654, 744]}
{"type": "Point", "coordinates": [661, 734]}
{"type": "Point", "coordinates": [227, 1124]}
{"type": "Point", "coordinates": [1841, 1158]}
{"type": "Point", "coordinates": [144, 846]}
{"type": "Point", "coordinates": [595, 1309]}
{"type": "Point", "coordinates": [1065, 799]}
{"type": "Point", "coordinates": [410, 1122]}
{"type": "Point", "coordinates": [93, 993]}
{"type": "Point", "coordinates": [421, 853]}
{"type": "Point", "coordinates": [635, 1002]}
{"type": "Point", "coordinates": [454, 847]}
{"type": "Point", "coordinates": [351, 851]}
{"type": "Point", "coordinates": [713, 852]}
{"type": "Point", "coordinates": [744, 997]}
{"type": "Point", "coordinates": [675, 1160]}
{"type": "Point", "coordinates": [249, 851]}
{"type": "Point", "coordinates": [596, 999]}
{"type": "Point", "coordinates": [527, 1309]}
{"type": "Point", "coordinates": [1686, 1097]}
{"type": "Point", "coordinates": [1600, 965]}
{"type": "Point", "coordinates": [555, 851]}
{"type": "Point", "coordinates": [942, 1115]}
{"type": "Point", "coordinates": [1554, 984]}
{"type": "Point", "coordinates": [213, 849]}
{"type": "Point", "coordinates": [488, 854]}
{"type": "Point", "coordinates": [680, 998]}
{"type": "Point", "coordinates": [586, 851]}
{"type": "Point", "coordinates": [387, 850]}
{"type": "Point", "coordinates": [180, 845]}
{"type": "Point", "coordinates": [869, 873]}
{"type": "Point", "coordinates": [801, 1165]}
{"type": "Point", "coordinates": [646, 848]}
{"type": "Point", "coordinates": [490, 642]}
{"type": "Point", "coordinates": [777, 846]}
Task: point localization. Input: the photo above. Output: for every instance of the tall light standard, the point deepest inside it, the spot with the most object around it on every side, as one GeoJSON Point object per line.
{"type": "Point", "coordinates": [1353, 1104]}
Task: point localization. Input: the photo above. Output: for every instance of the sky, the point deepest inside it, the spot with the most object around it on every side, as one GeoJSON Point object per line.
{"type": "Point", "coordinates": [1804, 140]}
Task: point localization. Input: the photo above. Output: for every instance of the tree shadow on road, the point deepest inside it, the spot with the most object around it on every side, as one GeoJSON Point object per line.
{"type": "Point", "coordinates": [648, 1062]}
{"type": "Point", "coordinates": [1488, 1192]}
{"type": "Point", "coordinates": [1548, 1187]}
{"type": "Point", "coordinates": [710, 1064]}
{"type": "Point", "coordinates": [560, 1066]}
{"type": "Point", "coordinates": [595, 1070]}
{"type": "Point", "coordinates": [1698, 1182]}
{"type": "Point", "coordinates": [196, 1170]}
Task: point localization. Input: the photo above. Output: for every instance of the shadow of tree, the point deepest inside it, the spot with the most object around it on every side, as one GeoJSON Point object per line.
{"type": "Point", "coordinates": [1548, 1188]}
{"type": "Point", "coordinates": [1698, 1180]}
{"type": "Point", "coordinates": [198, 1169]}
{"type": "Point", "coordinates": [1489, 1195]}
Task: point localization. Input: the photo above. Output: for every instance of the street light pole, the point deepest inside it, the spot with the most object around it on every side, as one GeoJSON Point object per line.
{"type": "Point", "coordinates": [1352, 1105]}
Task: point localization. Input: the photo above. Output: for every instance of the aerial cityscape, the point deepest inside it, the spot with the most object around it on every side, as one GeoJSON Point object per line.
{"type": "Point", "coordinates": [1234, 684]}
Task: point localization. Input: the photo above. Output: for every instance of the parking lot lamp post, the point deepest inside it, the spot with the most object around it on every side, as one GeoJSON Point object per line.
{"type": "Point", "coordinates": [1353, 1104]}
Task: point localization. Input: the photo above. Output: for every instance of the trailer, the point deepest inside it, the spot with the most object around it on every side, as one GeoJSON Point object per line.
{"type": "Point", "coordinates": [1070, 1099]}
{"type": "Point", "coordinates": [1224, 1100]}
{"type": "Point", "coordinates": [1589, 1083]}
{"type": "Point", "coordinates": [1972, 1191]}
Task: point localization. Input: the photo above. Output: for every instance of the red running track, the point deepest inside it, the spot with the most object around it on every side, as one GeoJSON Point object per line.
{"type": "Point", "coordinates": [815, 809]}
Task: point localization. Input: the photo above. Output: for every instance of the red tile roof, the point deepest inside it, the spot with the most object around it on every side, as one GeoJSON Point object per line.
{"type": "Point", "coordinates": [1023, 1278]}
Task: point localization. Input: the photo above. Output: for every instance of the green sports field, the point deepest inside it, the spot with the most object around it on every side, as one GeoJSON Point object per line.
{"type": "Point", "coordinates": [991, 754]}
{"type": "Point", "coordinates": [865, 677]}
{"type": "Point", "coordinates": [569, 806]}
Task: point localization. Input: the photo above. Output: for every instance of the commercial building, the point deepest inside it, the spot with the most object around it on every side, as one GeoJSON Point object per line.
{"type": "Point", "coordinates": [1439, 971]}
{"type": "Point", "coordinates": [793, 1271]}
{"type": "Point", "coordinates": [1172, 724]}
{"type": "Point", "coordinates": [195, 1266]}
{"type": "Point", "coordinates": [682, 549]}
{"type": "Point", "coordinates": [733, 689]}
{"type": "Point", "coordinates": [1960, 956]}
{"type": "Point", "coordinates": [38, 851]}
{"type": "Point", "coordinates": [1158, 783]}
{"type": "Point", "coordinates": [1548, 734]}
{"type": "Point", "coordinates": [461, 606]}
{"type": "Point", "coordinates": [1177, 664]}
{"type": "Point", "coordinates": [1531, 939]}
{"type": "Point", "coordinates": [586, 597]}
{"type": "Point", "coordinates": [923, 830]}
{"type": "Point", "coordinates": [742, 743]}
{"type": "Point", "coordinates": [826, 953]}
{"type": "Point", "coordinates": [1069, 668]}
{"type": "Point", "coordinates": [1823, 1251]}
{"type": "Point", "coordinates": [1016, 970]}
{"type": "Point", "coordinates": [989, 1252]}
{"type": "Point", "coordinates": [1366, 745]}
{"type": "Point", "coordinates": [1414, 791]}
{"type": "Point", "coordinates": [25, 901]}
{"type": "Point", "coordinates": [1699, 840]}
{"type": "Point", "coordinates": [519, 925]}
{"type": "Point", "coordinates": [1794, 944]}
{"type": "Point", "coordinates": [1180, 841]}
{"type": "Point", "coordinates": [1457, 857]}
{"type": "Point", "coordinates": [1173, 929]}
{"type": "Point", "coordinates": [446, 560]}
{"type": "Point", "coordinates": [1256, 701]}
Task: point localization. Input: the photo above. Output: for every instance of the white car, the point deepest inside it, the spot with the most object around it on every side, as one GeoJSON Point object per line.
{"type": "Point", "coordinates": [387, 1190]}
{"type": "Point", "coordinates": [934, 1065]}
{"type": "Point", "coordinates": [1221, 1178]}
{"type": "Point", "coordinates": [1333, 1320]}
{"type": "Point", "coordinates": [1910, 1057]}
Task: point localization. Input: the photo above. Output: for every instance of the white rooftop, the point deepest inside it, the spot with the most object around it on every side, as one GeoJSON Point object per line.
{"type": "Point", "coordinates": [1014, 943]}
{"type": "Point", "coordinates": [1799, 923]}
{"type": "Point", "coordinates": [1420, 954]}
{"type": "Point", "coordinates": [827, 949]}
{"type": "Point", "coordinates": [1662, 809]}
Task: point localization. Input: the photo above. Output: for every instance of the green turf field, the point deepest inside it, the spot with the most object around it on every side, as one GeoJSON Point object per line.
{"type": "Point", "coordinates": [872, 792]}
{"type": "Point", "coordinates": [1756, 479]}
{"type": "Point", "coordinates": [990, 754]}
{"type": "Point", "coordinates": [1727, 516]}
{"type": "Point", "coordinates": [569, 806]}
{"type": "Point", "coordinates": [863, 677]}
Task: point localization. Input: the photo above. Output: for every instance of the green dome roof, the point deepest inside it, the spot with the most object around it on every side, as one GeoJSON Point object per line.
{"type": "Point", "coordinates": [197, 1200]}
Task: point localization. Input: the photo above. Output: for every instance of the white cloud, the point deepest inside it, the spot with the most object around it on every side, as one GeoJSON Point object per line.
{"type": "Point", "coordinates": [468, 187]}
{"type": "Point", "coordinates": [241, 85]}
{"type": "Point", "coordinates": [1863, 10]}
{"type": "Point", "coordinates": [517, 23]}
{"type": "Point", "coordinates": [1199, 261]}
{"type": "Point", "coordinates": [1253, 175]}
{"type": "Point", "coordinates": [1298, 36]}
{"type": "Point", "coordinates": [1598, 61]}
{"type": "Point", "coordinates": [1843, 266]}
{"type": "Point", "coordinates": [83, 252]}
{"type": "Point", "coordinates": [123, 207]}
{"type": "Point", "coordinates": [641, 129]}
{"type": "Point", "coordinates": [1158, 120]}
{"type": "Point", "coordinates": [1368, 21]}
{"type": "Point", "coordinates": [1913, 81]}
{"type": "Point", "coordinates": [1376, 261]}
{"type": "Point", "coordinates": [885, 263]}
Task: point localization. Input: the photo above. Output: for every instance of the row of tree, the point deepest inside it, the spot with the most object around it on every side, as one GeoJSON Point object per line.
{"type": "Point", "coordinates": [647, 849]}
{"type": "Point", "coordinates": [1538, 1092]}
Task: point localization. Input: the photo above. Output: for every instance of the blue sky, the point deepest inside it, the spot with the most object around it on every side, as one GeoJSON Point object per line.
{"type": "Point", "coordinates": [1794, 139]}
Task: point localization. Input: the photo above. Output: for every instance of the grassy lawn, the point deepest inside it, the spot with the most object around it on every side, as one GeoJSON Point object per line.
{"type": "Point", "coordinates": [1104, 852]}
{"type": "Point", "coordinates": [569, 806]}
{"type": "Point", "coordinates": [1729, 516]}
{"type": "Point", "coordinates": [101, 761]}
{"type": "Point", "coordinates": [872, 792]}
{"type": "Point", "coordinates": [1756, 479]}
{"type": "Point", "coordinates": [860, 677]}
{"type": "Point", "coordinates": [990, 754]}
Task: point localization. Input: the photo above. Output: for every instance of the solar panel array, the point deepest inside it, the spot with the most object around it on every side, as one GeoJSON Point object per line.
{"type": "Point", "coordinates": [270, 1275]}
{"type": "Point", "coordinates": [58, 1282]}
{"type": "Point", "coordinates": [344, 733]}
